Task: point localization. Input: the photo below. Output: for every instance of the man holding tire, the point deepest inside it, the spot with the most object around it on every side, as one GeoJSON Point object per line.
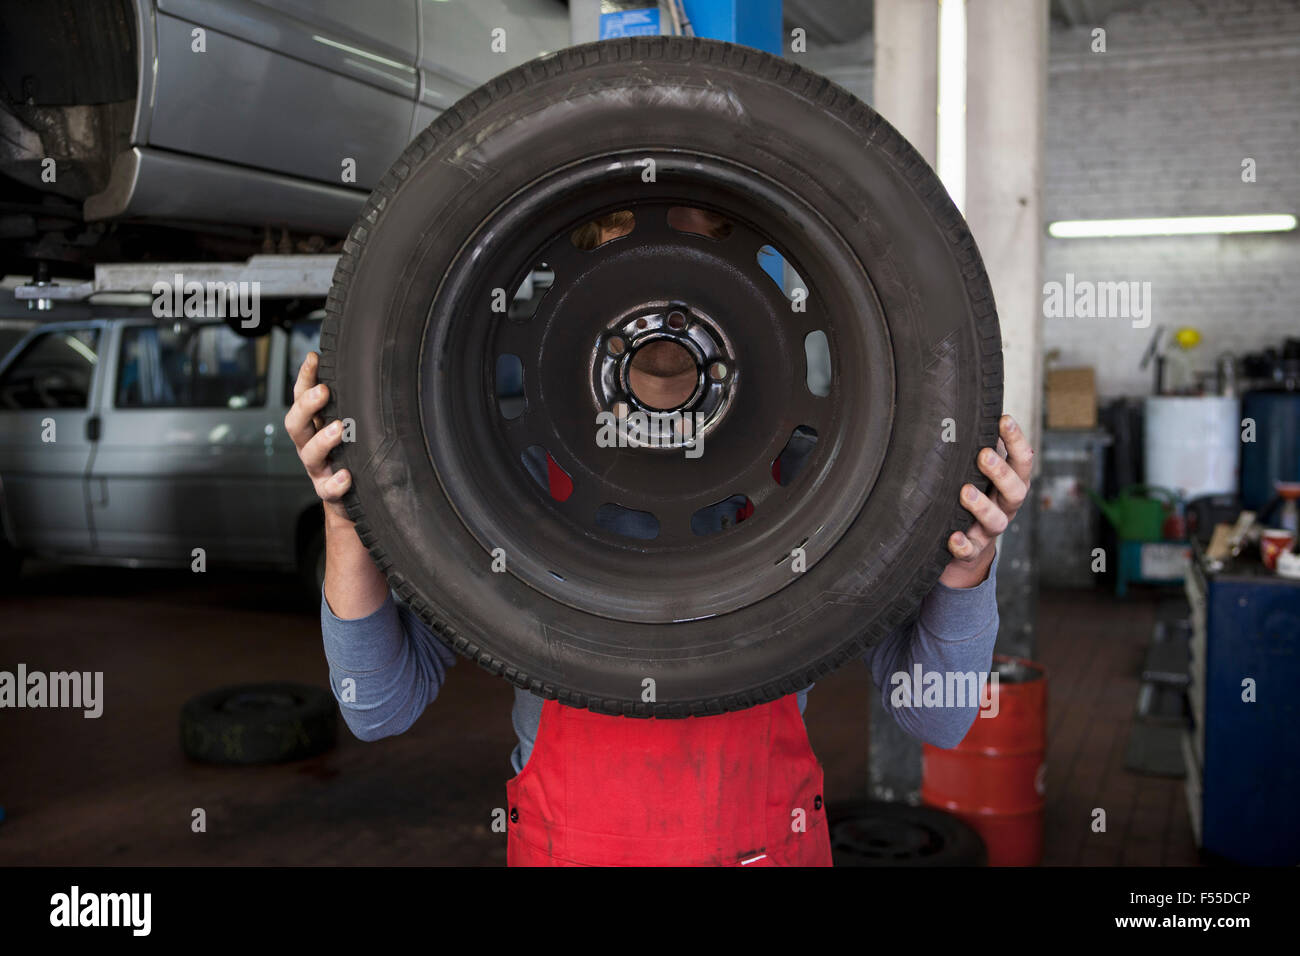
{"type": "Point", "coordinates": [607, 790]}
{"type": "Point", "coordinates": [661, 613]}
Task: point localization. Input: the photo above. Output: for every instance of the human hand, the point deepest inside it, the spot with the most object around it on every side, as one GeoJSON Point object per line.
{"type": "Point", "coordinates": [315, 440]}
{"type": "Point", "coordinates": [1009, 469]}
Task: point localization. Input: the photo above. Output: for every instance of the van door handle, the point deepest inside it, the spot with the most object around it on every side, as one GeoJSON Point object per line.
{"type": "Point", "coordinates": [92, 428]}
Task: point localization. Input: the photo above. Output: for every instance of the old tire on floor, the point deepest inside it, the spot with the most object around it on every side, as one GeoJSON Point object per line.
{"type": "Point", "coordinates": [259, 723]}
{"type": "Point", "coordinates": [872, 833]}
{"type": "Point", "coordinates": [644, 581]}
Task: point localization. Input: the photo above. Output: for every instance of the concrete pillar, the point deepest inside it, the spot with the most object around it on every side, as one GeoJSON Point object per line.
{"type": "Point", "coordinates": [1006, 85]}
{"type": "Point", "coordinates": [1006, 93]}
{"type": "Point", "coordinates": [906, 93]}
{"type": "Point", "coordinates": [907, 70]}
{"type": "Point", "coordinates": [584, 21]}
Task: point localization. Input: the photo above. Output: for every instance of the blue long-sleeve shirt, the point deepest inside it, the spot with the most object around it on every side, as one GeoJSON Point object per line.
{"type": "Point", "coordinates": [397, 667]}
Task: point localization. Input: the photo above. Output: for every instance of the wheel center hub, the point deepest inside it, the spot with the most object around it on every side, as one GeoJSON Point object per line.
{"type": "Point", "coordinates": [662, 375]}
{"type": "Point", "coordinates": [666, 375]}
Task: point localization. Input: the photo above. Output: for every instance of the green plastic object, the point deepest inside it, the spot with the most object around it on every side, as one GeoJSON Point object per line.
{"type": "Point", "coordinates": [1135, 515]}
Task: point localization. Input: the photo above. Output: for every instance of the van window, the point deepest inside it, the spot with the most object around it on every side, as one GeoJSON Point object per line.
{"type": "Point", "coordinates": [188, 366]}
{"type": "Point", "coordinates": [304, 337]}
{"type": "Point", "coordinates": [12, 331]}
{"type": "Point", "coordinates": [53, 371]}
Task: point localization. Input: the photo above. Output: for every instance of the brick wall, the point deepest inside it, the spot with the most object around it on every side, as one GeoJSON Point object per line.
{"type": "Point", "coordinates": [1158, 125]}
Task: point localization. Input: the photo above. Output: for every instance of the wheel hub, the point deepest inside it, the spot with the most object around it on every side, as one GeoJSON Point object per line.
{"type": "Point", "coordinates": [673, 400]}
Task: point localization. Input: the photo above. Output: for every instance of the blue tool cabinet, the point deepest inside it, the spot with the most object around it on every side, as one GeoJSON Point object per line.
{"type": "Point", "coordinates": [1243, 759]}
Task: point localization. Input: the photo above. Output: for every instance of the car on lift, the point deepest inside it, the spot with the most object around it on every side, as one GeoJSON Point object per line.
{"type": "Point", "coordinates": [196, 130]}
{"type": "Point", "coordinates": [182, 129]}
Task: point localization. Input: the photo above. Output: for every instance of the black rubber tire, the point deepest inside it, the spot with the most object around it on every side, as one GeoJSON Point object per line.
{"type": "Point", "coordinates": [259, 723]}
{"type": "Point", "coordinates": [872, 833]}
{"type": "Point", "coordinates": [731, 101]}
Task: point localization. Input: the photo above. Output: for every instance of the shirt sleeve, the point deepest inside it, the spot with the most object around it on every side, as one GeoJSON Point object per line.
{"type": "Point", "coordinates": [952, 637]}
{"type": "Point", "coordinates": [394, 663]}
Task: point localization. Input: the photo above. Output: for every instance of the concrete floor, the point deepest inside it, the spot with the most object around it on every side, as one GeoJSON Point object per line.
{"type": "Point", "coordinates": [1093, 647]}
{"type": "Point", "coordinates": [117, 790]}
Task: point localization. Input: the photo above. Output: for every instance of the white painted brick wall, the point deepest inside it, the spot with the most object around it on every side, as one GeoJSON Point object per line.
{"type": "Point", "coordinates": [1158, 126]}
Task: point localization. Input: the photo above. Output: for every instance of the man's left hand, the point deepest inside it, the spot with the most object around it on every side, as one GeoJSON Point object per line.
{"type": "Point", "coordinates": [1008, 468]}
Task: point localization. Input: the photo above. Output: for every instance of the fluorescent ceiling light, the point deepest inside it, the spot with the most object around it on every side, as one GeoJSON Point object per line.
{"type": "Point", "coordinates": [1176, 226]}
{"type": "Point", "coordinates": [951, 148]}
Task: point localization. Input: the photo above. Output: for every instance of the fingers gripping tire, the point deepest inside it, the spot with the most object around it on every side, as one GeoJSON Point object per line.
{"type": "Point", "coordinates": [495, 526]}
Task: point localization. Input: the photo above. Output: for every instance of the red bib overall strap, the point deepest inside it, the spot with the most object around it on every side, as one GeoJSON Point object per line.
{"type": "Point", "coordinates": [741, 788]}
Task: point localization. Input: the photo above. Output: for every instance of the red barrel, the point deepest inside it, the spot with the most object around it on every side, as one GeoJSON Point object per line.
{"type": "Point", "coordinates": [994, 779]}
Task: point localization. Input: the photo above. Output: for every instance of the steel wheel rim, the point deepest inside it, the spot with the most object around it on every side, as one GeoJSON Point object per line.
{"type": "Point", "coordinates": [555, 546]}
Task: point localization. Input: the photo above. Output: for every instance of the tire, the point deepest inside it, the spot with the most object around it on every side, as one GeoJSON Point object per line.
{"type": "Point", "coordinates": [895, 834]}
{"type": "Point", "coordinates": [259, 723]}
{"type": "Point", "coordinates": [598, 618]}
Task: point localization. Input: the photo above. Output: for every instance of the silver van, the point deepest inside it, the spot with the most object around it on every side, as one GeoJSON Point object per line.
{"type": "Point", "coordinates": [127, 439]}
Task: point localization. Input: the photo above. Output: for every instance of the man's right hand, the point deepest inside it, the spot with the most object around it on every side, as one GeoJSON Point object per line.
{"type": "Point", "coordinates": [315, 440]}
{"type": "Point", "coordinates": [354, 587]}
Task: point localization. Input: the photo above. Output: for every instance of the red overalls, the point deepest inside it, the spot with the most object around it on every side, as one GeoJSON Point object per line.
{"type": "Point", "coordinates": [739, 789]}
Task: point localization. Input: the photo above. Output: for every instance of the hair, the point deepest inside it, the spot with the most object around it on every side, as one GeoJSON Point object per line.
{"type": "Point", "coordinates": [588, 235]}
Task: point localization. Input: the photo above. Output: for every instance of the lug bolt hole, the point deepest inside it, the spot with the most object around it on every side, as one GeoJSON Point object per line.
{"type": "Point", "coordinates": [641, 323]}
{"type": "Point", "coordinates": [718, 371]}
{"type": "Point", "coordinates": [676, 320]}
{"type": "Point", "coordinates": [616, 345]}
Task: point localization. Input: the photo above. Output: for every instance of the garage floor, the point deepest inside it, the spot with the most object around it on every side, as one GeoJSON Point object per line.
{"type": "Point", "coordinates": [118, 791]}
